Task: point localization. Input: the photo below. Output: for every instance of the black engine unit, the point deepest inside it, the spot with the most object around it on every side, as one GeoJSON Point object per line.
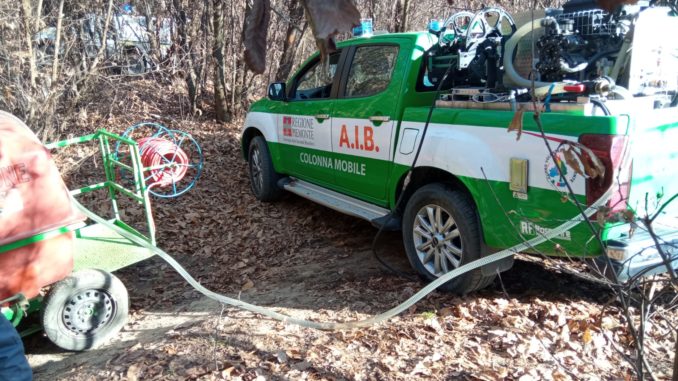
{"type": "Point", "coordinates": [580, 43]}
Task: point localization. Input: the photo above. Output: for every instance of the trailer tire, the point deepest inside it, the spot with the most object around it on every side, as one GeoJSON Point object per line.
{"type": "Point", "coordinates": [84, 310]}
{"type": "Point", "coordinates": [263, 177]}
{"type": "Point", "coordinates": [427, 255]}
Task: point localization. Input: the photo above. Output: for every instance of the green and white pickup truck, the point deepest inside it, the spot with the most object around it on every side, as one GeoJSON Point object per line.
{"type": "Point", "coordinates": [344, 134]}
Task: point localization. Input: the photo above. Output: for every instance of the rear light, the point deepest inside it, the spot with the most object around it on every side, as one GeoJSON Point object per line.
{"type": "Point", "coordinates": [610, 150]}
{"type": "Point", "coordinates": [578, 88]}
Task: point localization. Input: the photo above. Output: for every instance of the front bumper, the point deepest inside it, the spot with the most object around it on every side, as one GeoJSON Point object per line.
{"type": "Point", "coordinates": [639, 255]}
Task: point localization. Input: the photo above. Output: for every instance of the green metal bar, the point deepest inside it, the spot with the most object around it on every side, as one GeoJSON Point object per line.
{"type": "Point", "coordinates": [119, 164]}
{"type": "Point", "coordinates": [88, 189]}
{"type": "Point", "coordinates": [141, 186]}
{"type": "Point", "coordinates": [18, 314]}
{"type": "Point", "coordinates": [67, 142]}
{"type": "Point", "coordinates": [38, 237]}
{"type": "Point", "coordinates": [13, 298]}
{"type": "Point", "coordinates": [104, 159]}
{"type": "Point", "coordinates": [119, 188]}
{"type": "Point", "coordinates": [139, 181]}
{"type": "Point", "coordinates": [87, 138]}
{"type": "Point", "coordinates": [34, 305]}
{"type": "Point", "coordinates": [132, 230]}
{"type": "Point", "coordinates": [7, 312]}
{"type": "Point", "coordinates": [110, 174]}
{"type": "Point", "coordinates": [35, 328]}
{"type": "Point", "coordinates": [113, 136]}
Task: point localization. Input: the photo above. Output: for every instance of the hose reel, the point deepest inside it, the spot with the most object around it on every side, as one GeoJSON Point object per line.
{"type": "Point", "coordinates": [173, 160]}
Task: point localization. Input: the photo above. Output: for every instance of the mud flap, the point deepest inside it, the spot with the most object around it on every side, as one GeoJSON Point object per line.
{"type": "Point", "coordinates": [495, 267]}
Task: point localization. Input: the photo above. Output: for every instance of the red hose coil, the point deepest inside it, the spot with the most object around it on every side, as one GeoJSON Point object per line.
{"type": "Point", "coordinates": [156, 152]}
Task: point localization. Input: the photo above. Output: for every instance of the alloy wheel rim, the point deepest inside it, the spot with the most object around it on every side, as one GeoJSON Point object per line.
{"type": "Point", "coordinates": [256, 171]}
{"type": "Point", "coordinates": [437, 240]}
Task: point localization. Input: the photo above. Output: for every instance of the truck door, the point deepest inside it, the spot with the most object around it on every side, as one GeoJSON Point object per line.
{"type": "Point", "coordinates": [304, 122]}
{"type": "Point", "coordinates": [364, 118]}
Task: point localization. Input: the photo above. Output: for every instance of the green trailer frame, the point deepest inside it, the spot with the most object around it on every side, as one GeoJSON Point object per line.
{"type": "Point", "coordinates": [95, 245]}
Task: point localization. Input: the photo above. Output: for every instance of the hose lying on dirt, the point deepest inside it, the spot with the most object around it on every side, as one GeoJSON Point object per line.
{"type": "Point", "coordinates": [350, 324]}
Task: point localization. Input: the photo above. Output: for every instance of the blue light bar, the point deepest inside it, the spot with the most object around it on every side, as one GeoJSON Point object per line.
{"type": "Point", "coordinates": [364, 30]}
{"type": "Point", "coordinates": [434, 26]}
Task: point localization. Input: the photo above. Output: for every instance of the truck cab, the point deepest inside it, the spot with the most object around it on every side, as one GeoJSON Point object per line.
{"type": "Point", "coordinates": [331, 125]}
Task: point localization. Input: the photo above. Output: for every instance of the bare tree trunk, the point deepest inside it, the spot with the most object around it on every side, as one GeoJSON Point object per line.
{"type": "Point", "coordinates": [220, 105]}
{"type": "Point", "coordinates": [406, 10]}
{"type": "Point", "coordinates": [154, 50]}
{"type": "Point", "coordinates": [400, 15]}
{"type": "Point", "coordinates": [241, 67]}
{"type": "Point", "coordinates": [207, 32]}
{"type": "Point", "coordinates": [38, 16]}
{"type": "Point", "coordinates": [370, 9]}
{"type": "Point", "coordinates": [295, 31]}
{"type": "Point", "coordinates": [185, 45]}
{"type": "Point", "coordinates": [104, 37]}
{"type": "Point", "coordinates": [233, 55]}
{"type": "Point", "coordinates": [57, 43]}
{"type": "Point", "coordinates": [26, 13]}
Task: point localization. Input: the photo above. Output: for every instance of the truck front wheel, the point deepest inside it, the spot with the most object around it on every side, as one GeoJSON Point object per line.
{"type": "Point", "coordinates": [263, 178]}
{"type": "Point", "coordinates": [441, 232]}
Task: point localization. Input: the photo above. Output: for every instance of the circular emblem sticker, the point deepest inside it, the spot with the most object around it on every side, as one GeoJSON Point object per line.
{"type": "Point", "coordinates": [552, 173]}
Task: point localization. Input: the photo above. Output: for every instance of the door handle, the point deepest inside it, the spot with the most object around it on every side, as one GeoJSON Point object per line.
{"type": "Point", "coordinates": [322, 117]}
{"type": "Point", "coordinates": [380, 118]}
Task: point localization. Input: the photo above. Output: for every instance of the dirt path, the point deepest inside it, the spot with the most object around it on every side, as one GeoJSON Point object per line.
{"type": "Point", "coordinates": [298, 289]}
{"type": "Point", "coordinates": [50, 362]}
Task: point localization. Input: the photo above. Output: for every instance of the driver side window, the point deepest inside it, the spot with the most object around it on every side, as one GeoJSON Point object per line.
{"type": "Point", "coordinates": [315, 82]}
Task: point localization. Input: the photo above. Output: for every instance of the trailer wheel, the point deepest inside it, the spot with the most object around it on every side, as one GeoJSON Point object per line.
{"type": "Point", "coordinates": [85, 309]}
{"type": "Point", "coordinates": [441, 232]}
{"type": "Point", "coordinates": [263, 178]}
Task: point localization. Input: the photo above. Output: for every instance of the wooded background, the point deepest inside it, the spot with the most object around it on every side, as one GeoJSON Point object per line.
{"type": "Point", "coordinates": [204, 56]}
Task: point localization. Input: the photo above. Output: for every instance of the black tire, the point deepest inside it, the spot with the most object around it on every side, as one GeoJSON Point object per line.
{"type": "Point", "coordinates": [454, 242]}
{"type": "Point", "coordinates": [85, 309]}
{"type": "Point", "coordinates": [263, 178]}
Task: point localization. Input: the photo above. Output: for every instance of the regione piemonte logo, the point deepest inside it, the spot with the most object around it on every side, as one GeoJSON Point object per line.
{"type": "Point", "coordinates": [287, 126]}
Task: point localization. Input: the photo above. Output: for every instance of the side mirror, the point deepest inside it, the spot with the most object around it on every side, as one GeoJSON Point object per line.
{"type": "Point", "coordinates": [277, 91]}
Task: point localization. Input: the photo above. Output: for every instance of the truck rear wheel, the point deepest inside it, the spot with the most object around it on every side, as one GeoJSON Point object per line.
{"type": "Point", "coordinates": [441, 233]}
{"type": "Point", "coordinates": [263, 178]}
{"type": "Point", "coordinates": [85, 309]}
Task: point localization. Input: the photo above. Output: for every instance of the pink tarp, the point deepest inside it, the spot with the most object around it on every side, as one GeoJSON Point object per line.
{"type": "Point", "coordinates": [33, 200]}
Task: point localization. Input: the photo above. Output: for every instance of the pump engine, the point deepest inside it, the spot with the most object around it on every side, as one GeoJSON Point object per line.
{"type": "Point", "coordinates": [581, 42]}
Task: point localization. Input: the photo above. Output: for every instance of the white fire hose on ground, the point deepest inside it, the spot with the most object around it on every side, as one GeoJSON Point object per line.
{"type": "Point", "coordinates": [350, 324]}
